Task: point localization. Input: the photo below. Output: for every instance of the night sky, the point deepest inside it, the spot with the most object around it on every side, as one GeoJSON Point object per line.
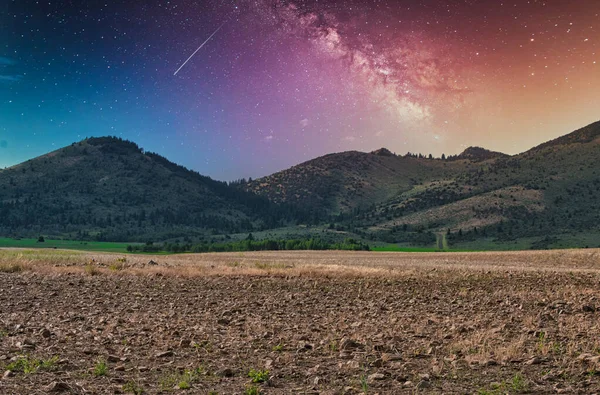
{"type": "Point", "coordinates": [285, 81]}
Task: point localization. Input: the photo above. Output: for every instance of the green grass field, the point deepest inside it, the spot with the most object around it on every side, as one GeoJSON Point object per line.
{"type": "Point", "coordinates": [65, 244]}
{"type": "Point", "coordinates": [576, 241]}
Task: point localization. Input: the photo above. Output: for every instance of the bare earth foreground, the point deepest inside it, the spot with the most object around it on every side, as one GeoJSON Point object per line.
{"type": "Point", "coordinates": [300, 323]}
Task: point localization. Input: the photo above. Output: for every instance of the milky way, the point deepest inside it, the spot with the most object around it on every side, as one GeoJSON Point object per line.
{"type": "Point", "coordinates": [286, 81]}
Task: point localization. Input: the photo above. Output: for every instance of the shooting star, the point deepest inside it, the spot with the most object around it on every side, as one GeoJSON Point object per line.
{"type": "Point", "coordinates": [199, 48]}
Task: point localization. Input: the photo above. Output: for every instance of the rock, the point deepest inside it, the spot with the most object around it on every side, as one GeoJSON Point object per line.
{"type": "Point", "coordinates": [353, 364]}
{"type": "Point", "coordinates": [113, 358]}
{"type": "Point", "coordinates": [56, 386]}
{"type": "Point", "coordinates": [391, 357]}
{"type": "Point", "coordinates": [376, 377]}
{"type": "Point", "coordinates": [7, 374]}
{"type": "Point", "coordinates": [143, 368]}
{"type": "Point", "coordinates": [164, 354]}
{"type": "Point", "coordinates": [349, 344]}
{"type": "Point", "coordinates": [225, 373]}
{"type": "Point", "coordinates": [424, 376]}
{"type": "Point", "coordinates": [534, 361]}
{"type": "Point", "coordinates": [185, 343]}
{"type": "Point", "coordinates": [423, 384]}
{"type": "Point", "coordinates": [489, 362]}
{"type": "Point", "coordinates": [268, 364]}
{"type": "Point", "coordinates": [152, 263]}
{"type": "Point", "coordinates": [377, 363]}
{"type": "Point", "coordinates": [27, 343]}
{"type": "Point", "coordinates": [408, 383]}
{"type": "Point", "coordinates": [305, 346]}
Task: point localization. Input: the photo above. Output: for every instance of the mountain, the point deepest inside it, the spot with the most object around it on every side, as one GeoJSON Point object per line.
{"type": "Point", "coordinates": [343, 182]}
{"type": "Point", "coordinates": [548, 192]}
{"type": "Point", "coordinates": [478, 154]}
{"type": "Point", "coordinates": [541, 195]}
{"type": "Point", "coordinates": [110, 189]}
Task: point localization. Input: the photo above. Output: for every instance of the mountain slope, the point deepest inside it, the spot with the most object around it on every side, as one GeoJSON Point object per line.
{"type": "Point", "coordinates": [478, 154]}
{"type": "Point", "coordinates": [552, 189]}
{"type": "Point", "coordinates": [342, 182]}
{"type": "Point", "coordinates": [111, 189]}
{"type": "Point", "coordinates": [549, 190]}
{"type": "Point", "coordinates": [582, 136]}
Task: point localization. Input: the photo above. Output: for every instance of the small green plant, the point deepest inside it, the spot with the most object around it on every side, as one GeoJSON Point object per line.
{"type": "Point", "coordinates": [184, 385]}
{"type": "Point", "coordinates": [333, 346]}
{"type": "Point", "coordinates": [364, 384]}
{"type": "Point", "coordinates": [278, 348]}
{"type": "Point", "coordinates": [204, 345]}
{"type": "Point", "coordinates": [252, 390]}
{"type": "Point", "coordinates": [541, 340]}
{"type": "Point", "coordinates": [100, 369]}
{"type": "Point", "coordinates": [495, 389]}
{"type": "Point", "coordinates": [133, 388]}
{"type": "Point", "coordinates": [557, 348]}
{"type": "Point", "coordinates": [29, 365]}
{"type": "Point", "coordinates": [182, 380]}
{"type": "Point", "coordinates": [258, 376]}
{"type": "Point", "coordinates": [518, 383]}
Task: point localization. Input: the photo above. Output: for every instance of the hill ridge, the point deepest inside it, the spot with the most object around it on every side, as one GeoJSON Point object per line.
{"type": "Point", "coordinates": [108, 188]}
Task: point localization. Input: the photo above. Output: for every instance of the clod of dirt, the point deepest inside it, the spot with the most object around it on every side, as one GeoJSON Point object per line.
{"type": "Point", "coordinates": [164, 354]}
{"type": "Point", "coordinates": [534, 361]}
{"type": "Point", "coordinates": [349, 344]}
{"type": "Point", "coordinates": [376, 377]}
{"type": "Point", "coordinates": [225, 373]}
{"type": "Point", "coordinates": [423, 384]}
{"type": "Point", "coordinates": [57, 386]}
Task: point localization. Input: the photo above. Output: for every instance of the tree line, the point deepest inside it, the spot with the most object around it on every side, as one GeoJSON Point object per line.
{"type": "Point", "coordinates": [249, 244]}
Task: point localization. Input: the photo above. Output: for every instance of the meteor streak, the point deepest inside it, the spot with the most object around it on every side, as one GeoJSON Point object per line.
{"type": "Point", "coordinates": [199, 48]}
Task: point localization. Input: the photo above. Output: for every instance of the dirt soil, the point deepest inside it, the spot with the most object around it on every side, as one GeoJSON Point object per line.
{"type": "Point", "coordinates": [300, 323]}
